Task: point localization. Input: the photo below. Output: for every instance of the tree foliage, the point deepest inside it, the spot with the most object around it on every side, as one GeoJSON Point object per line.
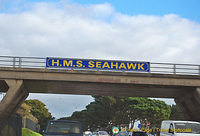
{"type": "Point", "coordinates": [176, 113]}
{"type": "Point", "coordinates": [39, 110]}
{"type": "Point", "coordinates": [153, 111]}
{"type": "Point", "coordinates": [107, 111]}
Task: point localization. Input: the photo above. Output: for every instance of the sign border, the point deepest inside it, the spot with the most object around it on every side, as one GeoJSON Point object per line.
{"type": "Point", "coordinates": [122, 61]}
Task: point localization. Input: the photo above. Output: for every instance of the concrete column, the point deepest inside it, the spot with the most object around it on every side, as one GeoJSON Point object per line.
{"type": "Point", "coordinates": [14, 97]}
{"type": "Point", "coordinates": [190, 104]}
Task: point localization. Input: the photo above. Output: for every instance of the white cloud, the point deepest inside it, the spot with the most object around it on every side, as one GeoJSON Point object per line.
{"type": "Point", "coordinates": [98, 31]}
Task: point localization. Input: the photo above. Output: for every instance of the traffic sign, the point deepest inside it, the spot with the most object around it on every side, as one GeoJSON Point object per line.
{"type": "Point", "coordinates": [139, 125]}
{"type": "Point", "coordinates": [90, 64]}
{"type": "Point", "coordinates": [123, 130]}
{"type": "Point", "coordinates": [115, 130]}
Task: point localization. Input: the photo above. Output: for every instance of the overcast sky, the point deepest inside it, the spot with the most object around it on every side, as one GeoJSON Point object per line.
{"type": "Point", "coordinates": [137, 30]}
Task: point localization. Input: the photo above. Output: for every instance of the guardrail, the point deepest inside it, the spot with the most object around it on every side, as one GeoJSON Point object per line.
{"type": "Point", "coordinates": [162, 68]}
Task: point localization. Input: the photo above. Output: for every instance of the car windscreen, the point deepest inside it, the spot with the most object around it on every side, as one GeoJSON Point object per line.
{"type": "Point", "coordinates": [187, 128]}
{"type": "Point", "coordinates": [64, 127]}
{"type": "Point", "coordinates": [103, 133]}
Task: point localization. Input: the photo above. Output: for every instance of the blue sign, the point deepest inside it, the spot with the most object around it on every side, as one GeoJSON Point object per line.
{"type": "Point", "coordinates": [97, 64]}
{"type": "Point", "coordinates": [139, 125]}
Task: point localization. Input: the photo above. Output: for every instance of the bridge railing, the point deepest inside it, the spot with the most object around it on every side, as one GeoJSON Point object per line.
{"type": "Point", "coordinates": [162, 68]}
{"type": "Point", "coordinates": [22, 62]}
{"type": "Point", "coordinates": [171, 68]}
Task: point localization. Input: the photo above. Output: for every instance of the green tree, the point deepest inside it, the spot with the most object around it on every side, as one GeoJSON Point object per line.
{"type": "Point", "coordinates": [145, 109]}
{"type": "Point", "coordinates": [106, 111]}
{"type": "Point", "coordinates": [39, 110]}
{"type": "Point", "coordinates": [98, 114]}
{"type": "Point", "coordinates": [120, 114]}
{"type": "Point", "coordinates": [176, 113]}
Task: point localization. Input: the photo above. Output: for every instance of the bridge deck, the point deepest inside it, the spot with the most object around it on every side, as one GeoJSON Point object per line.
{"type": "Point", "coordinates": [101, 82]}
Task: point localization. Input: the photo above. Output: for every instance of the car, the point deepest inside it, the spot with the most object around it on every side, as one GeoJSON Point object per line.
{"type": "Point", "coordinates": [63, 127]}
{"type": "Point", "coordinates": [139, 133]}
{"type": "Point", "coordinates": [122, 134]}
{"type": "Point", "coordinates": [179, 128]}
{"type": "Point", "coordinates": [102, 133]}
{"type": "Point", "coordinates": [87, 133]}
{"type": "Point", "coordinates": [94, 133]}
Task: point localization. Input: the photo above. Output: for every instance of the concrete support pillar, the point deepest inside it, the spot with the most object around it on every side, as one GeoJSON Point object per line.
{"type": "Point", "coordinates": [14, 97]}
{"type": "Point", "coordinates": [190, 104]}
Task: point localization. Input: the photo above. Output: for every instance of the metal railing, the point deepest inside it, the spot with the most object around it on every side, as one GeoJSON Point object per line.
{"type": "Point", "coordinates": [171, 68]}
{"type": "Point", "coordinates": [22, 62]}
{"type": "Point", "coordinates": [160, 68]}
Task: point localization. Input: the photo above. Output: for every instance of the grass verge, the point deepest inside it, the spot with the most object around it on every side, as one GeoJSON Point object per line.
{"type": "Point", "coordinates": [28, 132]}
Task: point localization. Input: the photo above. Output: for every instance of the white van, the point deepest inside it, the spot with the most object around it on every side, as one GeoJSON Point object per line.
{"type": "Point", "coordinates": [179, 128]}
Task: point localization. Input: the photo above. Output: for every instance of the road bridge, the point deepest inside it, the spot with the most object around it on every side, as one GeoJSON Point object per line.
{"type": "Point", "coordinates": [20, 76]}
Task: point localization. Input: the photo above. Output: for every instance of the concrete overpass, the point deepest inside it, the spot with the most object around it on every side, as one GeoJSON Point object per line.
{"type": "Point", "coordinates": [21, 79]}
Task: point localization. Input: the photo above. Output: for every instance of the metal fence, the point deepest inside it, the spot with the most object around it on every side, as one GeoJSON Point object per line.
{"type": "Point", "coordinates": [162, 68]}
